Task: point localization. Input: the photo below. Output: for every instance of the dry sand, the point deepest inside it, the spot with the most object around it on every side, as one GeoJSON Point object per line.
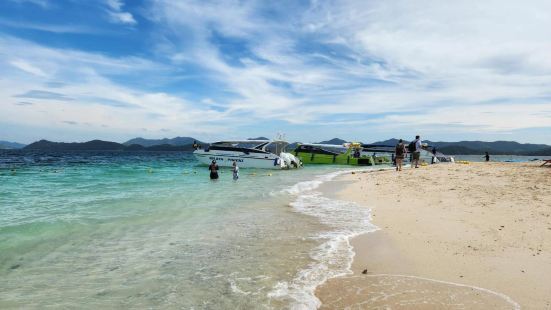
{"type": "Point", "coordinates": [453, 236]}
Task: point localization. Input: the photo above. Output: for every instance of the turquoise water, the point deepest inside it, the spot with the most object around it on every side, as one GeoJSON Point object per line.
{"type": "Point", "coordinates": [151, 230]}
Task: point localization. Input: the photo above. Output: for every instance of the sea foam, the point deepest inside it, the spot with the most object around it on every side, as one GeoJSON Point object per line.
{"type": "Point", "coordinates": [333, 257]}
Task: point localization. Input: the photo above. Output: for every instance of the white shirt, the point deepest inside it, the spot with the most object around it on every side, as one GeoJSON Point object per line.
{"type": "Point", "coordinates": [418, 146]}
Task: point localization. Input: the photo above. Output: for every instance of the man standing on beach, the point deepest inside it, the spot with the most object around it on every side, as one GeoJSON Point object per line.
{"type": "Point", "coordinates": [417, 152]}
{"type": "Point", "coordinates": [400, 154]}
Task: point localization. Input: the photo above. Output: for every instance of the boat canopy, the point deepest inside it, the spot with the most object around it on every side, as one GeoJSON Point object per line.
{"type": "Point", "coordinates": [324, 145]}
{"type": "Point", "coordinates": [327, 149]}
{"type": "Point", "coordinates": [274, 147]}
{"type": "Point", "coordinates": [241, 141]}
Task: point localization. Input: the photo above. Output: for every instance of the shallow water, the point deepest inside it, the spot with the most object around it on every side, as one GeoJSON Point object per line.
{"type": "Point", "coordinates": [151, 230]}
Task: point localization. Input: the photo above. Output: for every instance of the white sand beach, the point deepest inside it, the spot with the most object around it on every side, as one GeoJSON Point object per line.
{"type": "Point", "coordinates": [452, 236]}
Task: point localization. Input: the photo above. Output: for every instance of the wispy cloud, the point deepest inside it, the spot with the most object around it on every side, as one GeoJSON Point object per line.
{"type": "Point", "coordinates": [426, 67]}
{"type": "Point", "coordinates": [27, 67]}
{"type": "Point", "coordinates": [42, 94]}
{"type": "Point", "coordinates": [54, 28]}
{"type": "Point", "coordinates": [369, 57]}
{"type": "Point", "coordinates": [87, 95]}
{"type": "Point", "coordinates": [41, 3]}
{"type": "Point", "coordinates": [116, 13]}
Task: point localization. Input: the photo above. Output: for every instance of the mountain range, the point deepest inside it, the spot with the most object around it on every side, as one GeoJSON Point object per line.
{"type": "Point", "coordinates": [480, 147]}
{"type": "Point", "coordinates": [472, 147]}
{"type": "Point", "coordinates": [186, 144]}
{"type": "Point", "coordinates": [99, 145]}
{"type": "Point", "coordinates": [6, 145]}
{"type": "Point", "coordinates": [178, 141]}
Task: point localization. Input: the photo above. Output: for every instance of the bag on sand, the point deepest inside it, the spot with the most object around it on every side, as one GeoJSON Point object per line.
{"type": "Point", "coordinates": [411, 147]}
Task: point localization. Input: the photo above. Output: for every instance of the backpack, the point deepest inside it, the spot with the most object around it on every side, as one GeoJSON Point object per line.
{"type": "Point", "coordinates": [411, 147]}
{"type": "Point", "coordinates": [400, 149]}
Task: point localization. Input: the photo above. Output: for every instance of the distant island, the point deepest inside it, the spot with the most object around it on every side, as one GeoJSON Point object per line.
{"type": "Point", "coordinates": [6, 145]}
{"type": "Point", "coordinates": [185, 144]}
{"type": "Point", "coordinates": [99, 145]}
{"type": "Point", "coordinates": [472, 147]}
{"type": "Point", "coordinates": [178, 141]}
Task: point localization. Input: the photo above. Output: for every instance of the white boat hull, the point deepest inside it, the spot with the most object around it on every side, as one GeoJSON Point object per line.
{"type": "Point", "coordinates": [227, 158]}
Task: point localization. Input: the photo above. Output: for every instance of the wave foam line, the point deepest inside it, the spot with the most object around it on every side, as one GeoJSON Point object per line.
{"type": "Point", "coordinates": [508, 299]}
{"type": "Point", "coordinates": [334, 257]}
{"type": "Point", "coordinates": [313, 184]}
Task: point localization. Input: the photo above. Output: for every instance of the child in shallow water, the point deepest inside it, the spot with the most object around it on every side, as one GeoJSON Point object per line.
{"type": "Point", "coordinates": [235, 171]}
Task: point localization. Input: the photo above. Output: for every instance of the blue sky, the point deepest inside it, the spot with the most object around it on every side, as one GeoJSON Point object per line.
{"type": "Point", "coordinates": [360, 70]}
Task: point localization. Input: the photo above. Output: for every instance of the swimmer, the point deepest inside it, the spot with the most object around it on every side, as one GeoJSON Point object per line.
{"type": "Point", "coordinates": [213, 170]}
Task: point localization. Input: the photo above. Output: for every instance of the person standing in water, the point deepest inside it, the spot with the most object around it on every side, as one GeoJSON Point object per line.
{"type": "Point", "coordinates": [400, 154]}
{"type": "Point", "coordinates": [213, 170]}
{"type": "Point", "coordinates": [487, 156]}
{"type": "Point", "coordinates": [235, 170]}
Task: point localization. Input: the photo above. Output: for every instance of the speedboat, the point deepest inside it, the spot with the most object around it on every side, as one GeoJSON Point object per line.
{"type": "Point", "coordinates": [263, 154]}
{"type": "Point", "coordinates": [358, 154]}
{"type": "Point", "coordinates": [346, 154]}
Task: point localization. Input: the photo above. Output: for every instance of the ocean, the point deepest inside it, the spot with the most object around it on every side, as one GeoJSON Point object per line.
{"type": "Point", "coordinates": [151, 230]}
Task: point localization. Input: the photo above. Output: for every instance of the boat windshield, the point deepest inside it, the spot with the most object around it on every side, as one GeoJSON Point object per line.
{"type": "Point", "coordinates": [242, 144]}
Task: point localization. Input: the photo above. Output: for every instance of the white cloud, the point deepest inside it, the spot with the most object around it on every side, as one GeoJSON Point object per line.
{"type": "Point", "coordinates": [117, 15]}
{"type": "Point", "coordinates": [122, 17]}
{"type": "Point", "coordinates": [27, 67]}
{"type": "Point", "coordinates": [450, 66]}
{"type": "Point", "coordinates": [88, 97]}
{"type": "Point", "coordinates": [115, 4]}
{"type": "Point", "coordinates": [376, 57]}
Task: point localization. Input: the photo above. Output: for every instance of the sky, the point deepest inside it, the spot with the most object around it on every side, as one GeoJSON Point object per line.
{"type": "Point", "coordinates": [74, 70]}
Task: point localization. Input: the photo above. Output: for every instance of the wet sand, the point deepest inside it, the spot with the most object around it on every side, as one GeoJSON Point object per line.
{"type": "Point", "coordinates": [455, 236]}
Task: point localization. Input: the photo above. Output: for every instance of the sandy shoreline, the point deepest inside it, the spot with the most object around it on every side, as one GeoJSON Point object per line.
{"type": "Point", "coordinates": [457, 236]}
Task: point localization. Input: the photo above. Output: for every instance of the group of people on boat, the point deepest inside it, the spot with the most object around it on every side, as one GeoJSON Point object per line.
{"type": "Point", "coordinates": [213, 168]}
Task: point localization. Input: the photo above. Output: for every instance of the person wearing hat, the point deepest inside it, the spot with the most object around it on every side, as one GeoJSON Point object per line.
{"type": "Point", "coordinates": [213, 170]}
